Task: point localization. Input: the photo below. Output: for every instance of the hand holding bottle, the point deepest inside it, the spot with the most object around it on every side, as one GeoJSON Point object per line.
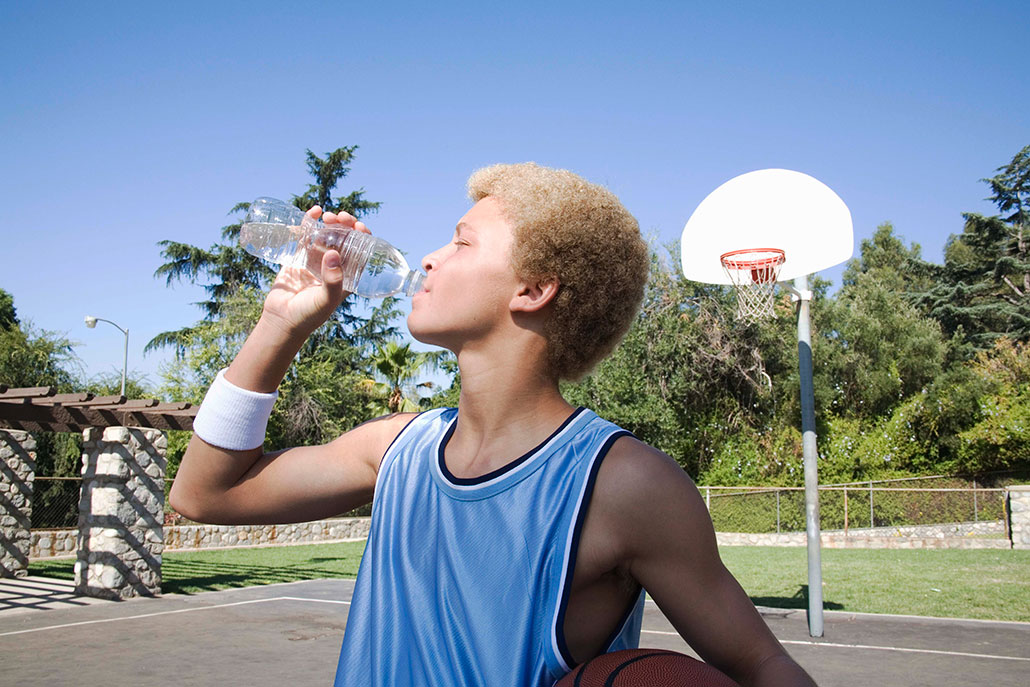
{"type": "Point", "coordinates": [299, 302]}
{"type": "Point", "coordinates": [279, 232]}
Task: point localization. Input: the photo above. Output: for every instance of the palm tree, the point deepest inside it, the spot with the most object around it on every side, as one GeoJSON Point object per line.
{"type": "Point", "coordinates": [398, 366]}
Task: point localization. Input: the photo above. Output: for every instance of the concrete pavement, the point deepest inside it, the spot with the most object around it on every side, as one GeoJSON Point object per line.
{"type": "Point", "coordinates": [265, 636]}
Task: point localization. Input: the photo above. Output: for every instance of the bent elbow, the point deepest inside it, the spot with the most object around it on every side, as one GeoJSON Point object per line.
{"type": "Point", "coordinates": [182, 504]}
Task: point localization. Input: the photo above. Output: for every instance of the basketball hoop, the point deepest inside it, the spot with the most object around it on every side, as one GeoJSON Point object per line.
{"type": "Point", "coordinates": [806, 219]}
{"type": "Point", "coordinates": [753, 273]}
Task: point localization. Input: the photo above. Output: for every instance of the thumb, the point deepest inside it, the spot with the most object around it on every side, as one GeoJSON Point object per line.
{"type": "Point", "coordinates": [332, 274]}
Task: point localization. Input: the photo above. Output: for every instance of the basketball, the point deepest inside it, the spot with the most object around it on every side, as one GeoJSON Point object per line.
{"type": "Point", "coordinates": [640, 667]}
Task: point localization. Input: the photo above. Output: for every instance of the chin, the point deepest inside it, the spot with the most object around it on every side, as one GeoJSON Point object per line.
{"type": "Point", "coordinates": [424, 334]}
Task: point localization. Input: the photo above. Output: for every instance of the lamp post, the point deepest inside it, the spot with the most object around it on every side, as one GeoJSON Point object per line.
{"type": "Point", "coordinates": [91, 322]}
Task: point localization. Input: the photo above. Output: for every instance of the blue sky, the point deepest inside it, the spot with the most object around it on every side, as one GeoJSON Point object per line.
{"type": "Point", "coordinates": [127, 123]}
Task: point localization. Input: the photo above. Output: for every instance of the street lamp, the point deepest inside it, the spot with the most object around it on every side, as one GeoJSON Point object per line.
{"type": "Point", "coordinates": [91, 322]}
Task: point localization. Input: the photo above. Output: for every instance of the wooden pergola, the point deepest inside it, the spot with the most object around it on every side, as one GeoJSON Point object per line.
{"type": "Point", "coordinates": [42, 409]}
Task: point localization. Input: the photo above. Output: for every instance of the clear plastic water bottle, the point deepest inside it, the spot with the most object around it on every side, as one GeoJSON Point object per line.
{"type": "Point", "coordinates": [281, 233]}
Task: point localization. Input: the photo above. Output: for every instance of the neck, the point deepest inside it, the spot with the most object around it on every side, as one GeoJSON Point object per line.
{"type": "Point", "coordinates": [505, 409]}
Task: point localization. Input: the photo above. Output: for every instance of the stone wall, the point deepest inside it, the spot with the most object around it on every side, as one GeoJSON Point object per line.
{"type": "Point", "coordinates": [121, 512]}
{"type": "Point", "coordinates": [841, 541]}
{"type": "Point", "coordinates": [980, 535]}
{"type": "Point", "coordinates": [194, 537]}
{"type": "Point", "coordinates": [1018, 505]}
{"type": "Point", "coordinates": [58, 543]}
{"type": "Point", "coordinates": [969, 535]}
{"type": "Point", "coordinates": [17, 474]}
{"type": "Point", "coordinates": [63, 543]}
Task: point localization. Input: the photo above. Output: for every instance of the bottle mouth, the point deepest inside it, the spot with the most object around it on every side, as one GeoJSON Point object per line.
{"type": "Point", "coordinates": [413, 284]}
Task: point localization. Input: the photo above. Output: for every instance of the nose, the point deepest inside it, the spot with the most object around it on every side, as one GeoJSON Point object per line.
{"type": "Point", "coordinates": [429, 262]}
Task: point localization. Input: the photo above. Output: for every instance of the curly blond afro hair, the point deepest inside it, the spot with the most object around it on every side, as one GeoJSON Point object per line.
{"type": "Point", "coordinates": [567, 228]}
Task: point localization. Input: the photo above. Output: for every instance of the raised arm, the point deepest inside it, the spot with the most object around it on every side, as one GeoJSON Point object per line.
{"type": "Point", "coordinates": [244, 485]}
{"type": "Point", "coordinates": [667, 541]}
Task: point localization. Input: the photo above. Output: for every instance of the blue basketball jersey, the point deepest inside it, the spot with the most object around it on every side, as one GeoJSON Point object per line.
{"type": "Point", "coordinates": [466, 581]}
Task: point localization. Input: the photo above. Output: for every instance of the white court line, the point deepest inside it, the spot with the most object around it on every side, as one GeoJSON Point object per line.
{"type": "Point", "coordinates": [882, 616]}
{"type": "Point", "coordinates": [321, 601]}
{"type": "Point", "coordinates": [870, 646]}
{"type": "Point", "coordinates": [180, 610]}
{"type": "Point", "coordinates": [654, 632]}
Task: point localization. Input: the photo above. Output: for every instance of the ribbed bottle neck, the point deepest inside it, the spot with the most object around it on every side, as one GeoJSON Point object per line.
{"type": "Point", "coordinates": [413, 283]}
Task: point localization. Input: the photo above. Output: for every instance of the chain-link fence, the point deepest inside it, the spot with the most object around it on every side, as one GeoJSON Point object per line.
{"type": "Point", "coordinates": [733, 509]}
{"type": "Point", "coordinates": [55, 502]}
{"type": "Point", "coordinates": [857, 506]}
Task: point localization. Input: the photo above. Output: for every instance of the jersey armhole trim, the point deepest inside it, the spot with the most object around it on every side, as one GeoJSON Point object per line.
{"type": "Point", "coordinates": [397, 439]}
{"type": "Point", "coordinates": [558, 643]}
{"type": "Point", "coordinates": [620, 629]}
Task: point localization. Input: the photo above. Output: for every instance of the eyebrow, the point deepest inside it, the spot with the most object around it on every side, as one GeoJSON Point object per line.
{"type": "Point", "coordinates": [463, 225]}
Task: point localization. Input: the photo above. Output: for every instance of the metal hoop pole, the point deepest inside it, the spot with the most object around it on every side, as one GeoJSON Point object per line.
{"type": "Point", "coordinates": [810, 453]}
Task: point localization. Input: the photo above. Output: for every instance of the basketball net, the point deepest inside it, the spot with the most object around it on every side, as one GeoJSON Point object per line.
{"type": "Point", "coordinates": [753, 272]}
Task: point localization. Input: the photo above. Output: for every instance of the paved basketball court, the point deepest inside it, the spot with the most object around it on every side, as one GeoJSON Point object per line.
{"type": "Point", "coordinates": [290, 634]}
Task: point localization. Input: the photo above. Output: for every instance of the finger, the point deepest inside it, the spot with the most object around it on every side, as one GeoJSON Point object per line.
{"type": "Point", "coordinates": [343, 218]}
{"type": "Point", "coordinates": [360, 226]}
{"type": "Point", "coordinates": [332, 275]}
{"type": "Point", "coordinates": [314, 212]}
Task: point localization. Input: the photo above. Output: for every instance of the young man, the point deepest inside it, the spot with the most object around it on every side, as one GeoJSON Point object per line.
{"type": "Point", "coordinates": [512, 537]}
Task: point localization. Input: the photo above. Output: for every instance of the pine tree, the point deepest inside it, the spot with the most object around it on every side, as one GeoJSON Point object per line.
{"type": "Point", "coordinates": [322, 394]}
{"type": "Point", "coordinates": [983, 289]}
{"type": "Point", "coordinates": [226, 269]}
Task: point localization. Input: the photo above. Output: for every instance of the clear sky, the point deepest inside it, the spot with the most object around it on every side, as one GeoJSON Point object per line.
{"type": "Point", "coordinates": [122, 124]}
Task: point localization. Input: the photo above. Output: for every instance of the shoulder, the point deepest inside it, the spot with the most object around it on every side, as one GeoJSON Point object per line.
{"type": "Point", "coordinates": [644, 496]}
{"type": "Point", "coordinates": [633, 469]}
{"type": "Point", "coordinates": [387, 426]}
{"type": "Point", "coordinates": [376, 436]}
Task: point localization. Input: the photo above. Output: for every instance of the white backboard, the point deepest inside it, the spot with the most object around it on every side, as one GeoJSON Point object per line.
{"type": "Point", "coordinates": [769, 208]}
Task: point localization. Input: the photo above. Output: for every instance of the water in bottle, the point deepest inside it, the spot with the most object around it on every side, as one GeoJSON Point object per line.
{"type": "Point", "coordinates": [281, 233]}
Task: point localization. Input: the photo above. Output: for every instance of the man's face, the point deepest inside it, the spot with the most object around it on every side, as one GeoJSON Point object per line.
{"type": "Point", "coordinates": [469, 283]}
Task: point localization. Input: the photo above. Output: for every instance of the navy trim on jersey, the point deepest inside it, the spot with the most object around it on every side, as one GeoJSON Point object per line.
{"type": "Point", "coordinates": [403, 430]}
{"type": "Point", "coordinates": [588, 491]}
{"type": "Point", "coordinates": [386, 453]}
{"type": "Point", "coordinates": [625, 619]}
{"type": "Point", "coordinates": [469, 481]}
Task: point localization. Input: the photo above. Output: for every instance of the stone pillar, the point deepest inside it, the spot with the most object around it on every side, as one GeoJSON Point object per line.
{"type": "Point", "coordinates": [1018, 514]}
{"type": "Point", "coordinates": [17, 473]}
{"type": "Point", "coordinates": [121, 513]}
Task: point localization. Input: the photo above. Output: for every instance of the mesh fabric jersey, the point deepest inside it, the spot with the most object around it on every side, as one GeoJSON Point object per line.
{"type": "Point", "coordinates": [466, 581]}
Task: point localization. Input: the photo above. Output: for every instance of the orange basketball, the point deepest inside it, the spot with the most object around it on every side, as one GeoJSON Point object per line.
{"type": "Point", "coordinates": [640, 667]}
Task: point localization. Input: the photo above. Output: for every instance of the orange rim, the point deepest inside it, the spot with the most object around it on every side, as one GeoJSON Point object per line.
{"type": "Point", "coordinates": [767, 257]}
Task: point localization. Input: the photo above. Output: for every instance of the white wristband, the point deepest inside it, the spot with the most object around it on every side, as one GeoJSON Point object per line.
{"type": "Point", "coordinates": [233, 418]}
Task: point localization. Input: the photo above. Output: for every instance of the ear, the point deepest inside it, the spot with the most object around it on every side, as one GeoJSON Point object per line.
{"type": "Point", "coordinates": [533, 296]}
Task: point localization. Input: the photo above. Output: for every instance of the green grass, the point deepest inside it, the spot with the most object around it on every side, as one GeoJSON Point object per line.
{"type": "Point", "coordinates": [992, 584]}
{"type": "Point", "coordinates": [205, 571]}
{"type": "Point", "coordinates": [978, 583]}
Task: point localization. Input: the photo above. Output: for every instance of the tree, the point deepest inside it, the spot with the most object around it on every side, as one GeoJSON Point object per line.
{"type": "Point", "coordinates": [8, 314]}
{"type": "Point", "coordinates": [1000, 439]}
{"type": "Point", "coordinates": [327, 173]}
{"type": "Point", "coordinates": [32, 357]}
{"type": "Point", "coordinates": [684, 379]}
{"type": "Point", "coordinates": [885, 256]}
{"type": "Point", "coordinates": [322, 394]}
{"type": "Point", "coordinates": [984, 285]}
{"type": "Point", "coordinates": [226, 268]}
{"type": "Point", "coordinates": [399, 367]}
{"type": "Point", "coordinates": [879, 349]}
